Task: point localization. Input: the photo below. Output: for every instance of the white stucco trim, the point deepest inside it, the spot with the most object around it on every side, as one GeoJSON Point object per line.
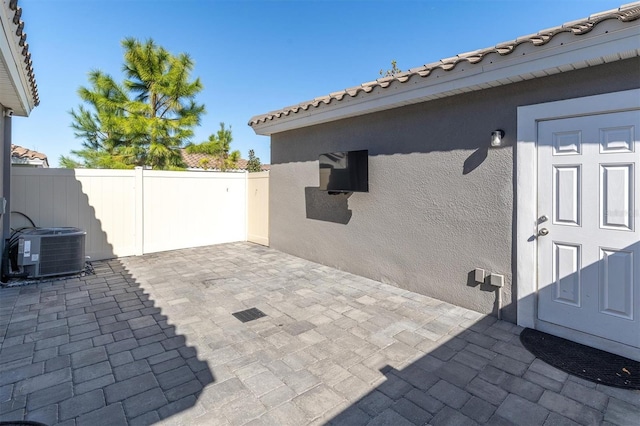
{"type": "Point", "coordinates": [526, 182]}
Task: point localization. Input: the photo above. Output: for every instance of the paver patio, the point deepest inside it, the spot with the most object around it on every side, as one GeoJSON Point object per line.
{"type": "Point", "coordinates": [151, 339]}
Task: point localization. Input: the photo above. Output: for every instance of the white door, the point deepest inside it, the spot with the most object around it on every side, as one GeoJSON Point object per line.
{"type": "Point", "coordinates": [588, 225]}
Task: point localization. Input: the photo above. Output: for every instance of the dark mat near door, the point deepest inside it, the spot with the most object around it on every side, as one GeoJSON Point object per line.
{"type": "Point", "coordinates": [583, 361]}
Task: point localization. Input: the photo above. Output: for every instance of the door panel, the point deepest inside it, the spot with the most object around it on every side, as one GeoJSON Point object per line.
{"type": "Point", "coordinates": [566, 276]}
{"type": "Point", "coordinates": [589, 250]}
{"type": "Point", "coordinates": [567, 194]}
{"type": "Point", "coordinates": [616, 197]}
{"type": "Point", "coordinates": [616, 283]}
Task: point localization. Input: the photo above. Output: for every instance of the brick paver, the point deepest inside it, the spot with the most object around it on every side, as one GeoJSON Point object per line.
{"type": "Point", "coordinates": [151, 340]}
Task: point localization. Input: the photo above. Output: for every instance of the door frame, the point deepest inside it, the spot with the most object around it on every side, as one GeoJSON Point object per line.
{"type": "Point", "coordinates": [527, 199]}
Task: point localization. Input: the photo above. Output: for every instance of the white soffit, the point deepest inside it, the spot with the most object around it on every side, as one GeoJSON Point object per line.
{"type": "Point", "coordinates": [609, 40]}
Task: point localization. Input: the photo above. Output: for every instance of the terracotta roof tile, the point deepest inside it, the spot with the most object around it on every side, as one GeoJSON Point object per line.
{"type": "Point", "coordinates": [209, 162]}
{"type": "Point", "coordinates": [27, 154]}
{"type": "Point", "coordinates": [625, 13]}
{"type": "Point", "coordinates": [21, 38]}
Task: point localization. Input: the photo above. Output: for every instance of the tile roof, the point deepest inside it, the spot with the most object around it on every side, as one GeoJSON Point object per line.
{"type": "Point", "coordinates": [28, 154]}
{"type": "Point", "coordinates": [625, 13]}
{"type": "Point", "coordinates": [21, 38]}
{"type": "Point", "coordinates": [206, 161]}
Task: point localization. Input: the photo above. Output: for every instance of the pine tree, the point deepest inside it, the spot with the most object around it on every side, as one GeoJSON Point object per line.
{"type": "Point", "coordinates": [218, 146]}
{"type": "Point", "coordinates": [392, 72]}
{"type": "Point", "coordinates": [253, 165]}
{"type": "Point", "coordinates": [145, 120]}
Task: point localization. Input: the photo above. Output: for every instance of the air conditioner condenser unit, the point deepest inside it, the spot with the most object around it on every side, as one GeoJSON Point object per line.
{"type": "Point", "coordinates": [44, 252]}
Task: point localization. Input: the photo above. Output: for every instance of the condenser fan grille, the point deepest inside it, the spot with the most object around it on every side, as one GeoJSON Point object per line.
{"type": "Point", "coordinates": [44, 252]}
{"type": "Point", "coordinates": [61, 254]}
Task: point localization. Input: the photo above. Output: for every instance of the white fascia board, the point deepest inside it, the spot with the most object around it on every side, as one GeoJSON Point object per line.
{"type": "Point", "coordinates": [614, 45]}
{"type": "Point", "coordinates": [12, 61]}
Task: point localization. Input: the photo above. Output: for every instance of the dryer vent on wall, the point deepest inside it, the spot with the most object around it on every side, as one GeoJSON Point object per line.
{"type": "Point", "coordinates": [43, 252]}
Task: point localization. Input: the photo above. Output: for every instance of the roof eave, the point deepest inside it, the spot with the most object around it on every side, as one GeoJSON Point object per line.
{"type": "Point", "coordinates": [29, 161]}
{"type": "Point", "coordinates": [610, 41]}
{"type": "Point", "coordinates": [15, 63]}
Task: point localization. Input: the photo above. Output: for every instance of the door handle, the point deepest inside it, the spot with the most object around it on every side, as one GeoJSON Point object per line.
{"type": "Point", "coordinates": [543, 232]}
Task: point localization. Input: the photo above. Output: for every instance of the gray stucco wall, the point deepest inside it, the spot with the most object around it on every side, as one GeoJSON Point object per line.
{"type": "Point", "coordinates": [440, 201]}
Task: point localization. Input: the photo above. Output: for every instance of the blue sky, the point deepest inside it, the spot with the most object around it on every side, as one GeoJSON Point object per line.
{"type": "Point", "coordinates": [255, 56]}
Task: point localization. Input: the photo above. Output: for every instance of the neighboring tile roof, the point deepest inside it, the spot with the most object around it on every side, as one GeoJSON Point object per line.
{"type": "Point", "coordinates": [21, 38]}
{"type": "Point", "coordinates": [28, 154]}
{"type": "Point", "coordinates": [209, 162]}
{"type": "Point", "coordinates": [625, 13]}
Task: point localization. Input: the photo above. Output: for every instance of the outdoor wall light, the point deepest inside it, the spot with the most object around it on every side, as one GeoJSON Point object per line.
{"type": "Point", "coordinates": [496, 138]}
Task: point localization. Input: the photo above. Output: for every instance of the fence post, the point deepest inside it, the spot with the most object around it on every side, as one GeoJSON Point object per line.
{"type": "Point", "coordinates": [246, 205]}
{"type": "Point", "coordinates": [138, 190]}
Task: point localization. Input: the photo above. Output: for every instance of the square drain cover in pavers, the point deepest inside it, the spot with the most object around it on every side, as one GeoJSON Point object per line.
{"type": "Point", "coordinates": [249, 314]}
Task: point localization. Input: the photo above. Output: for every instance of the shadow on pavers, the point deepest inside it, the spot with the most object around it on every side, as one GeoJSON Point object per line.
{"type": "Point", "coordinates": [433, 389]}
{"type": "Point", "coordinates": [483, 375]}
{"type": "Point", "coordinates": [95, 350]}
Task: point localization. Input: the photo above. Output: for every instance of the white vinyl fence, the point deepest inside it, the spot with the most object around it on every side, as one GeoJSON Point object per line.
{"type": "Point", "coordinates": [258, 208]}
{"type": "Point", "coordinates": [132, 212]}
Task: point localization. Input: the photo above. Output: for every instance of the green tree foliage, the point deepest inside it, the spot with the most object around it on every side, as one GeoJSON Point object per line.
{"type": "Point", "coordinates": [392, 72]}
{"type": "Point", "coordinates": [218, 146]}
{"type": "Point", "coordinates": [69, 163]}
{"type": "Point", "coordinates": [143, 121]}
{"type": "Point", "coordinates": [254, 164]}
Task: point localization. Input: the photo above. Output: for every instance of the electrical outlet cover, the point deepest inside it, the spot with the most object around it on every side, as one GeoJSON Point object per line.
{"type": "Point", "coordinates": [496, 280]}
